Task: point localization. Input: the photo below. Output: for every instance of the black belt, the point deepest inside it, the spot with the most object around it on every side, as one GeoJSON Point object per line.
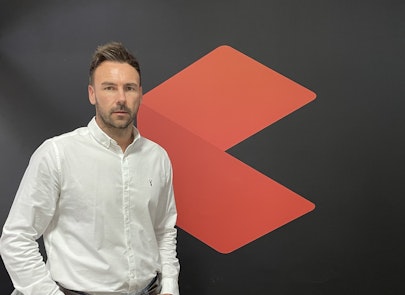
{"type": "Point", "coordinates": [153, 288]}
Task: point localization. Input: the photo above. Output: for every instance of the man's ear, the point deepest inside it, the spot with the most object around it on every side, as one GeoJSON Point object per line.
{"type": "Point", "coordinates": [92, 96]}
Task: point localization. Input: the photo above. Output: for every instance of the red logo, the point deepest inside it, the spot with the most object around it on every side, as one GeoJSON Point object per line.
{"type": "Point", "coordinates": [196, 115]}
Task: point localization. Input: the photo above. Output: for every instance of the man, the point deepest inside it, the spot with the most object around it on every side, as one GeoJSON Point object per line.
{"type": "Point", "coordinates": [102, 198]}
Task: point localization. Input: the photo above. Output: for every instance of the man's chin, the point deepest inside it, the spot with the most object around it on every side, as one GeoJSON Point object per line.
{"type": "Point", "coordinates": [122, 124]}
{"type": "Point", "coordinates": [117, 123]}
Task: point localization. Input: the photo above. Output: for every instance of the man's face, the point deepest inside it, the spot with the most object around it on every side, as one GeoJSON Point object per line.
{"type": "Point", "coordinates": [116, 93]}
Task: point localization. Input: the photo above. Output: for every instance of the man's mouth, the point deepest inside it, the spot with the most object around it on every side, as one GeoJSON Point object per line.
{"type": "Point", "coordinates": [120, 112]}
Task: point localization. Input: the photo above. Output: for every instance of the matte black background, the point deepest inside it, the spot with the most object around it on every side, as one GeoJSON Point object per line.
{"type": "Point", "coordinates": [344, 151]}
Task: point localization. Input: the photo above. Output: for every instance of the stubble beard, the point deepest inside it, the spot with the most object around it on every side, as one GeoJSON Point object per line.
{"type": "Point", "coordinates": [116, 124]}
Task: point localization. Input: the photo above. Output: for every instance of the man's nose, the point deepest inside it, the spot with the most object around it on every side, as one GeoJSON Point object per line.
{"type": "Point", "coordinates": [121, 98]}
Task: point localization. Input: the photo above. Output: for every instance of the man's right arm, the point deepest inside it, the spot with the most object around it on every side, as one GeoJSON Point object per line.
{"type": "Point", "coordinates": [32, 210]}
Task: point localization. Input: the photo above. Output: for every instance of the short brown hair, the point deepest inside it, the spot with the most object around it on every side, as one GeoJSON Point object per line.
{"type": "Point", "coordinates": [112, 51]}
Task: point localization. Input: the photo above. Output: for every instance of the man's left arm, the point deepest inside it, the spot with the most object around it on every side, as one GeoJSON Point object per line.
{"type": "Point", "coordinates": [166, 234]}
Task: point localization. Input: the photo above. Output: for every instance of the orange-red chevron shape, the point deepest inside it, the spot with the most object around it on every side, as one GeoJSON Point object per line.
{"type": "Point", "coordinates": [196, 115]}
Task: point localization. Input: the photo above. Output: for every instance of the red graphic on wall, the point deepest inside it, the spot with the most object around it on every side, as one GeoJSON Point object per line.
{"type": "Point", "coordinates": [196, 115]}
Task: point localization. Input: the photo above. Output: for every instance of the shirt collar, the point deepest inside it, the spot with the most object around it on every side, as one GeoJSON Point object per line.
{"type": "Point", "coordinates": [103, 138]}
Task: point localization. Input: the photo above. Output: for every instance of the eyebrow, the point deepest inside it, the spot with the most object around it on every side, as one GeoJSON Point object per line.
{"type": "Point", "coordinates": [114, 84]}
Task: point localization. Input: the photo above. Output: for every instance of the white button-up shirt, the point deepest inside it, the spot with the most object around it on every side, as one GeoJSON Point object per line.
{"type": "Point", "coordinates": [107, 217]}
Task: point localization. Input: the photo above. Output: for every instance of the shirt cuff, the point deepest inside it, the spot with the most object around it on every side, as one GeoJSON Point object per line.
{"type": "Point", "coordinates": [170, 286]}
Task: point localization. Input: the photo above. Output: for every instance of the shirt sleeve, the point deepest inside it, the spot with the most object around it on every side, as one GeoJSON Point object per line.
{"type": "Point", "coordinates": [32, 210]}
{"type": "Point", "coordinates": [166, 234]}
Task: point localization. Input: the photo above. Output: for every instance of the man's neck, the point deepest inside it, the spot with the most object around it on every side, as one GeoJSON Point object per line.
{"type": "Point", "coordinates": [124, 137]}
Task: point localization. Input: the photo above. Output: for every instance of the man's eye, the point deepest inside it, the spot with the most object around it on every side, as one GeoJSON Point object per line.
{"type": "Point", "coordinates": [108, 88]}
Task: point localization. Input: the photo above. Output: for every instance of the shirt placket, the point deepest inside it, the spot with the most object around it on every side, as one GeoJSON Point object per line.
{"type": "Point", "coordinates": [127, 220]}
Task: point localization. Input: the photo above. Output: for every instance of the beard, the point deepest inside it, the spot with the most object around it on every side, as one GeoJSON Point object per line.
{"type": "Point", "coordinates": [111, 120]}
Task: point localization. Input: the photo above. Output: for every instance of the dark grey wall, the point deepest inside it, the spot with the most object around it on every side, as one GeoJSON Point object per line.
{"type": "Point", "coordinates": [344, 151]}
